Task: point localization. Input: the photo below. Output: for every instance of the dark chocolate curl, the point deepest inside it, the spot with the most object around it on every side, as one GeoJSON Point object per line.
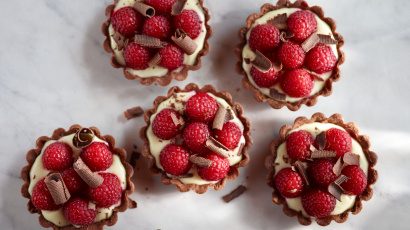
{"type": "Point", "coordinates": [93, 179]}
{"type": "Point", "coordinates": [184, 42]}
{"type": "Point", "coordinates": [261, 62]}
{"type": "Point", "coordinates": [57, 188]}
{"type": "Point", "coordinates": [144, 9]}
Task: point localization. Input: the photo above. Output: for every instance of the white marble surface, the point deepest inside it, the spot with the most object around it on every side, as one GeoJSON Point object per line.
{"type": "Point", "coordinates": [53, 73]}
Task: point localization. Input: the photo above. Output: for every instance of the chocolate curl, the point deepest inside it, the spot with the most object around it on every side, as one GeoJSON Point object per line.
{"type": "Point", "coordinates": [120, 40]}
{"type": "Point", "coordinates": [147, 41]}
{"type": "Point", "coordinates": [200, 161]}
{"type": "Point", "coordinates": [335, 188]}
{"type": "Point", "coordinates": [234, 194]}
{"type": "Point", "coordinates": [93, 179]}
{"type": "Point", "coordinates": [322, 154]}
{"type": "Point", "coordinates": [144, 9]}
{"type": "Point", "coordinates": [321, 140]}
{"type": "Point", "coordinates": [310, 42]}
{"type": "Point", "coordinates": [279, 21]}
{"type": "Point", "coordinates": [337, 168]}
{"type": "Point", "coordinates": [57, 188]}
{"type": "Point", "coordinates": [217, 147]}
{"type": "Point", "coordinates": [327, 39]}
{"type": "Point", "coordinates": [186, 43]}
{"type": "Point", "coordinates": [83, 138]}
{"type": "Point", "coordinates": [261, 62]}
{"type": "Point", "coordinates": [133, 112]}
{"type": "Point", "coordinates": [155, 60]}
{"type": "Point", "coordinates": [275, 94]}
{"type": "Point", "coordinates": [220, 118]}
{"type": "Point", "coordinates": [301, 168]}
{"type": "Point", "coordinates": [351, 159]}
{"type": "Point", "coordinates": [178, 7]}
{"type": "Point", "coordinates": [177, 121]}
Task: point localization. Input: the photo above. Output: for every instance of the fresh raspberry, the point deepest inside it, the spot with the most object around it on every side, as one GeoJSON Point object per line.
{"type": "Point", "coordinates": [108, 193]}
{"type": "Point", "coordinates": [57, 156]}
{"type": "Point", "coordinates": [318, 203]}
{"type": "Point", "coordinates": [201, 107]}
{"type": "Point", "coordinates": [297, 83]}
{"type": "Point", "coordinates": [189, 22]}
{"type": "Point", "coordinates": [289, 183]}
{"type": "Point", "coordinates": [302, 24]}
{"type": "Point", "coordinates": [136, 56]}
{"type": "Point", "coordinates": [172, 57]}
{"type": "Point", "coordinates": [78, 212]}
{"type": "Point", "coordinates": [298, 145]}
{"type": "Point", "coordinates": [229, 136]}
{"type": "Point", "coordinates": [175, 160]}
{"type": "Point", "coordinates": [157, 26]}
{"type": "Point", "coordinates": [73, 181]}
{"type": "Point", "coordinates": [217, 171]}
{"type": "Point", "coordinates": [337, 140]}
{"type": "Point", "coordinates": [126, 21]}
{"type": "Point", "coordinates": [264, 38]}
{"type": "Point", "coordinates": [97, 156]}
{"type": "Point", "coordinates": [321, 172]}
{"type": "Point", "coordinates": [267, 79]}
{"type": "Point", "coordinates": [321, 59]}
{"type": "Point", "coordinates": [41, 197]}
{"type": "Point", "coordinates": [195, 136]}
{"type": "Point", "coordinates": [357, 181]}
{"type": "Point", "coordinates": [163, 125]}
{"type": "Point", "coordinates": [161, 6]}
{"type": "Point", "coordinates": [291, 55]}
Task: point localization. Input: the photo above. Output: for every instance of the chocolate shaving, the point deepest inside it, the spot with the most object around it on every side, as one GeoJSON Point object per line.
{"type": "Point", "coordinates": [261, 62]}
{"type": "Point", "coordinates": [315, 75]}
{"type": "Point", "coordinates": [327, 39]}
{"type": "Point", "coordinates": [200, 161]}
{"type": "Point", "coordinates": [341, 179]}
{"type": "Point", "coordinates": [275, 94]}
{"type": "Point", "coordinates": [284, 37]}
{"type": "Point", "coordinates": [148, 41]}
{"type": "Point", "coordinates": [57, 188]}
{"type": "Point", "coordinates": [144, 9]}
{"type": "Point", "coordinates": [322, 154]}
{"type": "Point", "coordinates": [177, 121]}
{"type": "Point", "coordinates": [240, 149]}
{"type": "Point", "coordinates": [155, 60]}
{"type": "Point", "coordinates": [312, 148]}
{"type": "Point", "coordinates": [217, 147]}
{"type": "Point", "coordinates": [178, 7]}
{"type": "Point", "coordinates": [220, 118]}
{"type": "Point", "coordinates": [234, 194]}
{"type": "Point", "coordinates": [93, 179]}
{"type": "Point", "coordinates": [279, 21]}
{"type": "Point", "coordinates": [337, 168]}
{"type": "Point", "coordinates": [310, 42]}
{"type": "Point", "coordinates": [301, 168]}
{"type": "Point", "coordinates": [188, 175]}
{"type": "Point", "coordinates": [351, 159]}
{"type": "Point", "coordinates": [335, 190]}
{"type": "Point", "coordinates": [83, 138]}
{"type": "Point", "coordinates": [186, 43]}
{"type": "Point", "coordinates": [120, 40]}
{"type": "Point", "coordinates": [133, 112]}
{"type": "Point", "coordinates": [321, 140]}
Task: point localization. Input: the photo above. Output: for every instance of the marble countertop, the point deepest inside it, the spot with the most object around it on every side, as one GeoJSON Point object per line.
{"type": "Point", "coordinates": [54, 73]}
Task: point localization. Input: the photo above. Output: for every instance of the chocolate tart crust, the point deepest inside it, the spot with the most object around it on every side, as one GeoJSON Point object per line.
{"type": "Point", "coordinates": [166, 79]}
{"type": "Point", "coordinates": [353, 130]}
{"type": "Point", "coordinates": [232, 174]}
{"type": "Point", "coordinates": [311, 100]}
{"type": "Point", "coordinates": [126, 201]}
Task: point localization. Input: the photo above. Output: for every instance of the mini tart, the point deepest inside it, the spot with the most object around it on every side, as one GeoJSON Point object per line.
{"type": "Point", "coordinates": [262, 94]}
{"type": "Point", "coordinates": [180, 182]}
{"type": "Point", "coordinates": [360, 143]}
{"type": "Point", "coordinates": [157, 74]}
{"type": "Point", "coordinates": [125, 202]}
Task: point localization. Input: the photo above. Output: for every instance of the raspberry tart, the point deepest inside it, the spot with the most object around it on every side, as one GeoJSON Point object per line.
{"type": "Point", "coordinates": [289, 54]}
{"type": "Point", "coordinates": [155, 41]}
{"type": "Point", "coordinates": [197, 138]}
{"type": "Point", "coordinates": [77, 179]}
{"type": "Point", "coordinates": [321, 169]}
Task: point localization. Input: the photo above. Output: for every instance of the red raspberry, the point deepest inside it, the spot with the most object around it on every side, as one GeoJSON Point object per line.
{"type": "Point", "coordinates": [41, 197]}
{"type": "Point", "coordinates": [126, 21]}
{"type": "Point", "coordinates": [318, 203]}
{"type": "Point", "coordinates": [172, 57]}
{"type": "Point", "coordinates": [163, 125]}
{"type": "Point", "coordinates": [229, 136]}
{"type": "Point", "coordinates": [78, 212]}
{"type": "Point", "coordinates": [195, 136]}
{"type": "Point", "coordinates": [262, 79]}
{"type": "Point", "coordinates": [321, 59]}
{"type": "Point", "coordinates": [357, 181]}
{"type": "Point", "coordinates": [321, 172]}
{"type": "Point", "coordinates": [264, 38]}
{"type": "Point", "coordinates": [108, 193]}
{"type": "Point", "coordinates": [175, 160]}
{"type": "Point", "coordinates": [73, 181]}
{"type": "Point", "coordinates": [201, 107]}
{"type": "Point", "coordinates": [338, 141]}
{"type": "Point", "coordinates": [289, 183]}
{"type": "Point", "coordinates": [136, 56]}
{"type": "Point", "coordinates": [189, 22]}
{"type": "Point", "coordinates": [297, 83]}
{"type": "Point", "coordinates": [57, 156]}
{"type": "Point", "coordinates": [217, 171]}
{"type": "Point", "coordinates": [291, 55]}
{"type": "Point", "coordinates": [157, 26]}
{"type": "Point", "coordinates": [161, 6]}
{"type": "Point", "coordinates": [298, 145]}
{"type": "Point", "coordinates": [97, 156]}
{"type": "Point", "coordinates": [302, 24]}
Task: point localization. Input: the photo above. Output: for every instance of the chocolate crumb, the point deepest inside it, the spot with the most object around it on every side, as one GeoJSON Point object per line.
{"type": "Point", "coordinates": [133, 112]}
{"type": "Point", "coordinates": [234, 194]}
